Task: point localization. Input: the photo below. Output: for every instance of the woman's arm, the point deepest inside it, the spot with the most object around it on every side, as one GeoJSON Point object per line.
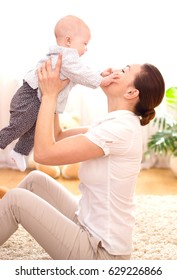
{"type": "Point", "coordinates": [69, 149]}
{"type": "Point", "coordinates": [63, 133]}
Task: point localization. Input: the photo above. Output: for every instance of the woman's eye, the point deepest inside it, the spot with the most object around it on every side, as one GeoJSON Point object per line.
{"type": "Point", "coordinates": [123, 71]}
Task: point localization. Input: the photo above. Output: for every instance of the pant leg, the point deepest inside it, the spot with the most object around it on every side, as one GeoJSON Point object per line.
{"type": "Point", "coordinates": [57, 234]}
{"type": "Point", "coordinates": [25, 143]}
{"type": "Point", "coordinates": [50, 190]}
{"type": "Point", "coordinates": [24, 108]}
{"type": "Point", "coordinates": [47, 211]}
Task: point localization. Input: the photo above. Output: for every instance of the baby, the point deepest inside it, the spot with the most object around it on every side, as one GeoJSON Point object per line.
{"type": "Point", "coordinates": [72, 37]}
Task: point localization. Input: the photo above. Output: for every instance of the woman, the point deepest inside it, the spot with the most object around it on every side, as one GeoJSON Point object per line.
{"type": "Point", "coordinates": [100, 224]}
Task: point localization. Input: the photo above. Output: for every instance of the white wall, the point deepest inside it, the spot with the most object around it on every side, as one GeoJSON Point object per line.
{"type": "Point", "coordinates": [123, 32]}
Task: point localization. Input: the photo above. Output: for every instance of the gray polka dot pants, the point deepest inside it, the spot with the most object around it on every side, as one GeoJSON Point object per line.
{"type": "Point", "coordinates": [24, 109]}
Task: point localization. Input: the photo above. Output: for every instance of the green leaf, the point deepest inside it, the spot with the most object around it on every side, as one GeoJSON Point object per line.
{"type": "Point", "coordinates": [171, 96]}
{"type": "Point", "coordinates": [164, 140]}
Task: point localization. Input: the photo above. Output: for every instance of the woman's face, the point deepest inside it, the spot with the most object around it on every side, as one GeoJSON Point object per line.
{"type": "Point", "coordinates": [124, 81]}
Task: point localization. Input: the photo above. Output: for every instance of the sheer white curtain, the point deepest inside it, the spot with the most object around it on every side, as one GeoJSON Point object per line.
{"type": "Point", "coordinates": [123, 32]}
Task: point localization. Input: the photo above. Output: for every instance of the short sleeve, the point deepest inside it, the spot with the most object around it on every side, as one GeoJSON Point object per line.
{"type": "Point", "coordinates": [94, 137]}
{"type": "Point", "coordinates": [113, 137]}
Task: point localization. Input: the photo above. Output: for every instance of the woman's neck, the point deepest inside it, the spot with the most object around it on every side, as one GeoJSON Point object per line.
{"type": "Point", "coordinates": [115, 104]}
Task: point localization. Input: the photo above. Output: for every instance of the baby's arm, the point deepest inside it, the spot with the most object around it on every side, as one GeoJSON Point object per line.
{"type": "Point", "coordinates": [78, 73]}
{"type": "Point", "coordinates": [108, 77]}
{"type": "Point", "coordinates": [106, 72]}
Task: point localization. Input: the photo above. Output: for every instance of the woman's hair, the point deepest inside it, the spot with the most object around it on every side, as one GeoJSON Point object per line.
{"type": "Point", "coordinates": [151, 86]}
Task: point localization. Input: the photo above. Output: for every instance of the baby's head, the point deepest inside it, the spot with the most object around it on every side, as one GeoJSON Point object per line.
{"type": "Point", "coordinates": [72, 32]}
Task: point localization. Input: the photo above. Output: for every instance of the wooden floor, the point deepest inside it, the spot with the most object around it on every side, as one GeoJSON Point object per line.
{"type": "Point", "coordinates": [152, 181]}
{"type": "Point", "coordinates": [156, 181]}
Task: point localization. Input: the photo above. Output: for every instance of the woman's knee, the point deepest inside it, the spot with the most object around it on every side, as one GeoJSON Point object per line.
{"type": "Point", "coordinates": [33, 177]}
{"type": "Point", "coordinates": [35, 174]}
{"type": "Point", "coordinates": [14, 195]}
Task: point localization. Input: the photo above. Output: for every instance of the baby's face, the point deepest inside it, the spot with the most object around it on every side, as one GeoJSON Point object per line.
{"type": "Point", "coordinates": [81, 40]}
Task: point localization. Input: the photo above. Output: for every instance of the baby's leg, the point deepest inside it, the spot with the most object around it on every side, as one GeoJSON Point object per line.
{"type": "Point", "coordinates": [23, 113]}
{"type": "Point", "coordinates": [26, 142]}
{"type": "Point", "coordinates": [19, 160]}
{"type": "Point", "coordinates": [24, 109]}
{"type": "Point", "coordinates": [23, 147]}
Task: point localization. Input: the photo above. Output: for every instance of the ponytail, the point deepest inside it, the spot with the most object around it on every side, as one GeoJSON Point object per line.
{"type": "Point", "coordinates": [151, 86]}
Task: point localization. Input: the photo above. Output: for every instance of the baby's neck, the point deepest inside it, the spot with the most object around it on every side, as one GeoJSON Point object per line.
{"type": "Point", "coordinates": [61, 43]}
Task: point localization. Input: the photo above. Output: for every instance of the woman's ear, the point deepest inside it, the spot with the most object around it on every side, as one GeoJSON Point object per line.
{"type": "Point", "coordinates": [132, 93]}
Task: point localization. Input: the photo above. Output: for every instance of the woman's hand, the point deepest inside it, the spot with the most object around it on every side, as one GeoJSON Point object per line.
{"type": "Point", "coordinates": [49, 79]}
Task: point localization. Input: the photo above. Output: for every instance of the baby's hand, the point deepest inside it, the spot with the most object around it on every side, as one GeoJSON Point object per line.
{"type": "Point", "coordinates": [106, 72]}
{"type": "Point", "coordinates": [109, 79]}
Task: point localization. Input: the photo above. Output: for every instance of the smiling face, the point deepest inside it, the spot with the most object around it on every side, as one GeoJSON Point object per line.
{"type": "Point", "coordinates": [124, 82]}
{"type": "Point", "coordinates": [122, 94]}
{"type": "Point", "coordinates": [138, 88]}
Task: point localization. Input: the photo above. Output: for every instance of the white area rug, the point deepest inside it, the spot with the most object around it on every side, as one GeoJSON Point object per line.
{"type": "Point", "coordinates": [154, 237]}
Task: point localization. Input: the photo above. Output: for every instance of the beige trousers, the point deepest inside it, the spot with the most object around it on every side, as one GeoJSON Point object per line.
{"type": "Point", "coordinates": [46, 210]}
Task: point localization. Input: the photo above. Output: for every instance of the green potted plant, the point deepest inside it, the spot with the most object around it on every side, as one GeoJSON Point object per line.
{"type": "Point", "coordinates": [164, 140]}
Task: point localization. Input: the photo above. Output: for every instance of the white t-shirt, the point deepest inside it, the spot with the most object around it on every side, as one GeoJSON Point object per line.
{"type": "Point", "coordinates": [108, 183]}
